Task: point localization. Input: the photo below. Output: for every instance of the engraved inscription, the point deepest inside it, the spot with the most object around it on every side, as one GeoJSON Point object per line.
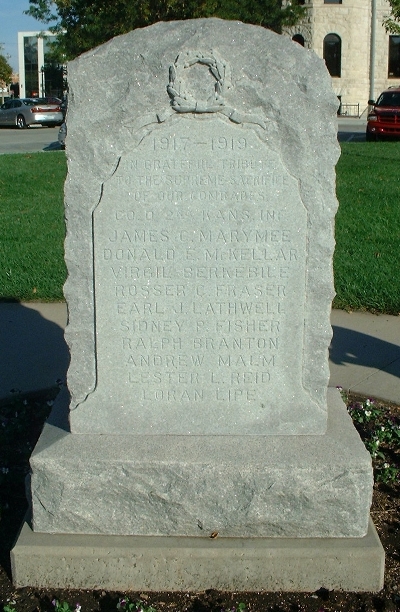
{"type": "Point", "coordinates": [200, 260]}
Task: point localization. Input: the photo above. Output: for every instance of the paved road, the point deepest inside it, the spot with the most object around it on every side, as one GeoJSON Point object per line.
{"type": "Point", "coordinates": [351, 129]}
{"type": "Point", "coordinates": [33, 139]}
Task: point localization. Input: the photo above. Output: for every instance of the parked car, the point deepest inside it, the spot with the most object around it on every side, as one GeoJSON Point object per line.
{"type": "Point", "coordinates": [23, 112]}
{"type": "Point", "coordinates": [51, 100]}
{"type": "Point", "coordinates": [384, 119]}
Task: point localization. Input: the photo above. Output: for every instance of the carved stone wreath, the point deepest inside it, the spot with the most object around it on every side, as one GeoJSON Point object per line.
{"type": "Point", "coordinates": [182, 101]}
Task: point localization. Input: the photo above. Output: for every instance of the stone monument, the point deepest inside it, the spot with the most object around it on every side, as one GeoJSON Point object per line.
{"type": "Point", "coordinates": [203, 447]}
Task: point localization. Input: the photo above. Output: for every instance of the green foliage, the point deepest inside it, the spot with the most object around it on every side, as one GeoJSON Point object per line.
{"type": "Point", "coordinates": [5, 70]}
{"type": "Point", "coordinates": [84, 24]}
{"type": "Point", "coordinates": [365, 412]}
{"type": "Point", "coordinates": [126, 605]}
{"type": "Point", "coordinates": [392, 22]}
{"type": "Point", "coordinates": [63, 606]}
{"type": "Point", "coordinates": [380, 432]}
{"type": "Point", "coordinates": [366, 260]}
{"type": "Point", "coordinates": [32, 226]}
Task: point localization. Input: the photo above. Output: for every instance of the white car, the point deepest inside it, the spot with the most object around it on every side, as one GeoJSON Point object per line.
{"type": "Point", "coordinates": [23, 112]}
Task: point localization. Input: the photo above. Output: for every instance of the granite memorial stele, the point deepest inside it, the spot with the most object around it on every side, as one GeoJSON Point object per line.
{"type": "Point", "coordinates": [200, 204]}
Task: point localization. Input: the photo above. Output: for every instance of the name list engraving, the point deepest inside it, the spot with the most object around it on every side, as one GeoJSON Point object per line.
{"type": "Point", "coordinates": [200, 259]}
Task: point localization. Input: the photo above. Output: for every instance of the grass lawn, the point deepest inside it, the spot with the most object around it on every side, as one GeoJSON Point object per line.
{"type": "Point", "coordinates": [366, 262]}
{"type": "Point", "coordinates": [367, 256]}
{"type": "Point", "coordinates": [32, 226]}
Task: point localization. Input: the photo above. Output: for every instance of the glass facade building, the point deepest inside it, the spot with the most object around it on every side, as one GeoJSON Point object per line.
{"type": "Point", "coordinates": [39, 75]}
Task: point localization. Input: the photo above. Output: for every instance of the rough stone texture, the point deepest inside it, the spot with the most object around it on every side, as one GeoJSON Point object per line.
{"type": "Point", "coordinates": [264, 486]}
{"type": "Point", "coordinates": [195, 564]}
{"type": "Point", "coordinates": [199, 243]}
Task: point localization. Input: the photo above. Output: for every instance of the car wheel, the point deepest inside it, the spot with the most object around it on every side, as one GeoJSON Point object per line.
{"type": "Point", "coordinates": [21, 123]}
{"type": "Point", "coordinates": [370, 137]}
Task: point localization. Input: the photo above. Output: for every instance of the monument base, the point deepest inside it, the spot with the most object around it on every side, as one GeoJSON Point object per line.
{"type": "Point", "coordinates": [239, 486]}
{"type": "Point", "coordinates": [140, 563]}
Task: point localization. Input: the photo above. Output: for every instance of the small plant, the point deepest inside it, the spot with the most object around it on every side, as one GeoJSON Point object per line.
{"type": "Point", "coordinates": [365, 412]}
{"type": "Point", "coordinates": [125, 604]}
{"type": "Point", "coordinates": [380, 433]}
{"type": "Point", "coordinates": [64, 606]}
{"type": "Point", "coordinates": [239, 608]}
{"type": "Point", "coordinates": [372, 445]}
{"type": "Point", "coordinates": [9, 607]}
{"type": "Point", "coordinates": [387, 473]}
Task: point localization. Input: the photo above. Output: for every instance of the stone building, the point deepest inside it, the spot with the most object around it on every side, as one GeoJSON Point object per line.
{"type": "Point", "coordinates": [362, 58]}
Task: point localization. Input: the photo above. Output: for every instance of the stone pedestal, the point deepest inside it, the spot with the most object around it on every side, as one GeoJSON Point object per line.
{"type": "Point", "coordinates": [168, 513]}
{"type": "Point", "coordinates": [253, 486]}
{"type": "Point", "coordinates": [162, 563]}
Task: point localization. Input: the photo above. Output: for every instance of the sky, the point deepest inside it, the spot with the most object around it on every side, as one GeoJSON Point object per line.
{"type": "Point", "coordinates": [12, 21]}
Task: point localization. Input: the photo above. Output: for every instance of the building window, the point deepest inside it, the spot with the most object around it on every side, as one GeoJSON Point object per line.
{"type": "Point", "coordinates": [31, 66]}
{"type": "Point", "coordinates": [332, 1]}
{"type": "Point", "coordinates": [299, 39]}
{"type": "Point", "coordinates": [394, 57]}
{"type": "Point", "coordinates": [52, 75]}
{"type": "Point", "coordinates": [333, 54]}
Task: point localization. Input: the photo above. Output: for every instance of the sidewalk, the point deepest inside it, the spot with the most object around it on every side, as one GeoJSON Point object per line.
{"type": "Point", "coordinates": [364, 355]}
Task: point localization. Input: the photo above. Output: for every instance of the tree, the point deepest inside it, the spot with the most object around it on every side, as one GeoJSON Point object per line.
{"type": "Point", "coordinates": [84, 24]}
{"type": "Point", "coordinates": [392, 21]}
{"type": "Point", "coordinates": [5, 71]}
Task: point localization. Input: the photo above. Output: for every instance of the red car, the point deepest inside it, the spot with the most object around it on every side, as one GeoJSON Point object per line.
{"type": "Point", "coordinates": [384, 119]}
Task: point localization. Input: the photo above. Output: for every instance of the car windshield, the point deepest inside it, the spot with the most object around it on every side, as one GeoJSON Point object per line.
{"type": "Point", "coordinates": [389, 98]}
{"type": "Point", "coordinates": [29, 102]}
